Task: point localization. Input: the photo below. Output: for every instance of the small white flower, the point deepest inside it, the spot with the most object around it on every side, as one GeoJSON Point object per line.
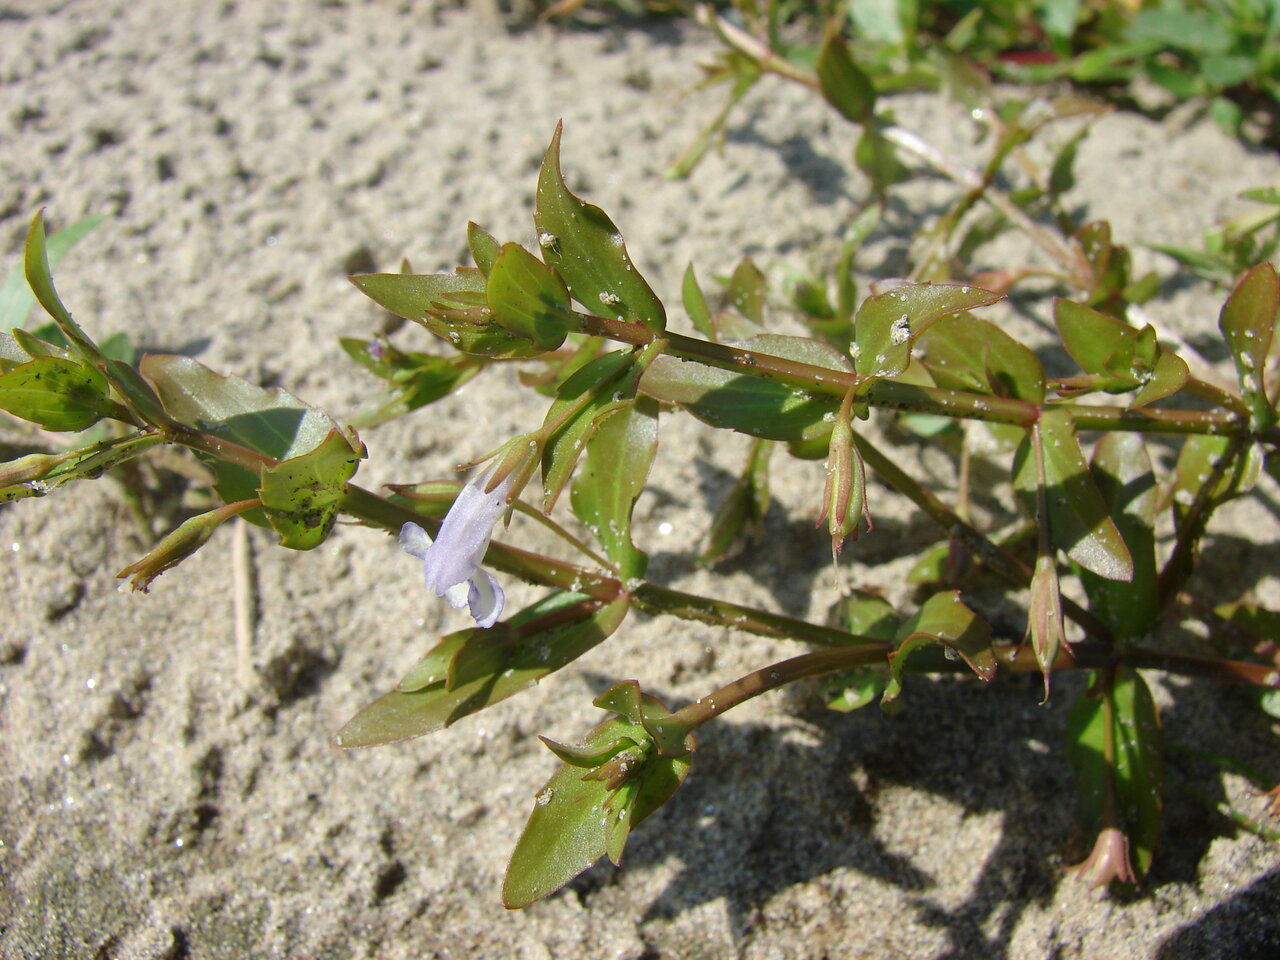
{"type": "Point", "coordinates": [451, 564]}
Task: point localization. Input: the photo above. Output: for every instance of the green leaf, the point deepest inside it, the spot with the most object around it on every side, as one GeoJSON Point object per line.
{"type": "Point", "coordinates": [1060, 17]}
{"type": "Point", "coordinates": [695, 304]}
{"type": "Point", "coordinates": [865, 614]}
{"type": "Point", "coordinates": [1127, 716]}
{"type": "Point", "coordinates": [528, 298]}
{"type": "Point", "coordinates": [474, 669]}
{"type": "Point", "coordinates": [135, 391]}
{"type": "Point", "coordinates": [1182, 29]}
{"type": "Point", "coordinates": [576, 820]}
{"type": "Point", "coordinates": [888, 324]}
{"type": "Point", "coordinates": [612, 477]}
{"type": "Point", "coordinates": [741, 512]}
{"type": "Point", "coordinates": [1269, 195]}
{"type": "Point", "coordinates": [843, 82]}
{"type": "Point", "coordinates": [1122, 357]}
{"type": "Point", "coordinates": [300, 496]}
{"type": "Point", "coordinates": [586, 249]}
{"type": "Point", "coordinates": [944, 619]}
{"type": "Point", "coordinates": [484, 248]}
{"type": "Point", "coordinates": [1197, 462]}
{"type": "Point", "coordinates": [1169, 375]}
{"type": "Point", "coordinates": [744, 72]}
{"type": "Point", "coordinates": [450, 305]}
{"type": "Point", "coordinates": [965, 353]}
{"type": "Point", "coordinates": [414, 379]}
{"type": "Point", "coordinates": [880, 20]}
{"type": "Point", "coordinates": [1248, 322]}
{"type": "Point", "coordinates": [750, 405]}
{"type": "Point", "coordinates": [876, 157]}
{"type": "Point", "coordinates": [746, 290]}
{"type": "Point", "coordinates": [1122, 471]}
{"type": "Point", "coordinates": [1254, 625]}
{"type": "Point", "coordinates": [1079, 523]}
{"type": "Point", "coordinates": [855, 689]}
{"type": "Point", "coordinates": [269, 422]}
{"type": "Point", "coordinates": [16, 298]}
{"type": "Point", "coordinates": [55, 393]}
{"type": "Point", "coordinates": [583, 402]}
{"type": "Point", "coordinates": [1062, 177]}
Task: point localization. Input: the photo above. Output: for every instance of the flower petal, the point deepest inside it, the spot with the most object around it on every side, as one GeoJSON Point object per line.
{"type": "Point", "coordinates": [414, 540]}
{"type": "Point", "coordinates": [464, 535]}
{"type": "Point", "coordinates": [458, 594]}
{"type": "Point", "coordinates": [486, 599]}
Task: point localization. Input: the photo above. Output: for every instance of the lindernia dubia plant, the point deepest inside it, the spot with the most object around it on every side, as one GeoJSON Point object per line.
{"type": "Point", "coordinates": [573, 307]}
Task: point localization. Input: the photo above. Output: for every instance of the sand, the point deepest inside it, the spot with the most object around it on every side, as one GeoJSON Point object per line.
{"type": "Point", "coordinates": [163, 795]}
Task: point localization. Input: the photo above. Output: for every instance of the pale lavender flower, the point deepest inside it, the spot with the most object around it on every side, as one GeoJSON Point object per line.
{"type": "Point", "coordinates": [452, 563]}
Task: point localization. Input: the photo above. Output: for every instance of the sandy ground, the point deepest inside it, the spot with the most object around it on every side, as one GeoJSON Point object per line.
{"type": "Point", "coordinates": [161, 799]}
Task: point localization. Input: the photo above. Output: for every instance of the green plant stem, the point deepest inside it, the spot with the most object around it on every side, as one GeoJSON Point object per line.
{"type": "Point", "coordinates": [894, 395]}
{"type": "Point", "coordinates": [656, 599]}
{"type": "Point", "coordinates": [1062, 252]}
{"type": "Point", "coordinates": [535, 568]}
{"type": "Point", "coordinates": [1018, 658]}
{"type": "Point", "coordinates": [777, 675]}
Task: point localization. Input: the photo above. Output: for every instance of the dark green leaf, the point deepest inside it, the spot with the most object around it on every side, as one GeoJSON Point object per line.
{"type": "Point", "coordinates": [741, 512]}
{"type": "Point", "coordinates": [944, 619]}
{"type": "Point", "coordinates": [1197, 462]}
{"type": "Point", "coordinates": [865, 614]}
{"type": "Point", "coordinates": [450, 305]}
{"type": "Point", "coordinates": [1248, 322]}
{"type": "Point", "coordinates": [965, 353]}
{"type": "Point", "coordinates": [414, 379]}
{"type": "Point", "coordinates": [760, 408]}
{"type": "Point", "coordinates": [1169, 375]}
{"type": "Point", "coordinates": [695, 304]}
{"type": "Point", "coordinates": [583, 402]}
{"type": "Point", "coordinates": [843, 82]}
{"type": "Point", "coordinates": [746, 290]}
{"type": "Point", "coordinates": [1079, 523]}
{"type": "Point", "coordinates": [474, 669]}
{"type": "Point", "coordinates": [889, 323]}
{"type": "Point", "coordinates": [135, 391]}
{"type": "Point", "coordinates": [528, 298]}
{"type": "Point", "coordinates": [1122, 471]}
{"type": "Point", "coordinates": [586, 249]}
{"type": "Point", "coordinates": [16, 299]}
{"type": "Point", "coordinates": [612, 477]}
{"type": "Point", "coordinates": [484, 248]}
{"type": "Point", "coordinates": [1135, 779]}
{"type": "Point", "coordinates": [270, 422]}
{"type": "Point", "coordinates": [878, 159]}
{"type": "Point", "coordinates": [1120, 356]}
{"type": "Point", "coordinates": [55, 393]}
{"type": "Point", "coordinates": [576, 820]}
{"type": "Point", "coordinates": [300, 496]}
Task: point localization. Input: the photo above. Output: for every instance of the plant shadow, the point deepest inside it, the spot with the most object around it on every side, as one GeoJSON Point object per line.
{"type": "Point", "coordinates": [764, 810]}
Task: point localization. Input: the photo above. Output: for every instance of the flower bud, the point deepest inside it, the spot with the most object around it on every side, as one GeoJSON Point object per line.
{"type": "Point", "coordinates": [27, 471]}
{"type": "Point", "coordinates": [1045, 616]}
{"type": "Point", "coordinates": [1109, 860]}
{"type": "Point", "coordinates": [844, 499]}
{"type": "Point", "coordinates": [180, 543]}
